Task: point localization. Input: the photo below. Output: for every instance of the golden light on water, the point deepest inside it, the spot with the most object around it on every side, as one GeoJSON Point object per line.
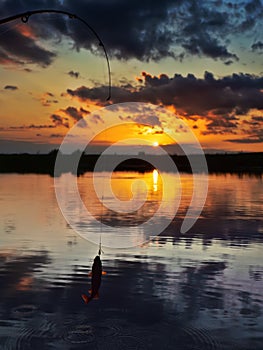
{"type": "Point", "coordinates": [155, 180]}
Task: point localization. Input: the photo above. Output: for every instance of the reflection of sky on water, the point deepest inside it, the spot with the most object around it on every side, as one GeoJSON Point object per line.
{"type": "Point", "coordinates": [211, 298]}
{"type": "Point", "coordinates": [202, 290]}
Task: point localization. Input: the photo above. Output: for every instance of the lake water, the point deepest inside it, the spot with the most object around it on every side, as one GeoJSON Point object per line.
{"type": "Point", "coordinates": [193, 291]}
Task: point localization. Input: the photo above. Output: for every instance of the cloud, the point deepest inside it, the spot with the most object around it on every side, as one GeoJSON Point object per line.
{"type": "Point", "coordinates": [141, 29]}
{"type": "Point", "coordinates": [53, 136]}
{"type": "Point", "coordinates": [73, 74]}
{"type": "Point", "coordinates": [221, 125]}
{"type": "Point", "coordinates": [83, 110]}
{"type": "Point", "coordinates": [253, 6]}
{"type": "Point", "coordinates": [47, 99]}
{"type": "Point", "coordinates": [188, 94]}
{"type": "Point", "coordinates": [95, 118]}
{"type": "Point", "coordinates": [57, 120]}
{"type": "Point", "coordinates": [246, 140]}
{"type": "Point", "coordinates": [220, 101]}
{"type": "Point", "coordinates": [157, 30]}
{"type": "Point", "coordinates": [100, 93]}
{"type": "Point", "coordinates": [228, 62]}
{"type": "Point", "coordinates": [32, 126]}
{"type": "Point", "coordinates": [258, 46]}
{"type": "Point", "coordinates": [11, 87]}
{"type": "Point", "coordinates": [76, 115]}
{"type": "Point", "coordinates": [73, 112]}
{"type": "Point", "coordinates": [168, 29]}
{"type": "Point", "coordinates": [60, 135]}
{"type": "Point", "coordinates": [7, 59]}
{"type": "Point", "coordinates": [205, 44]}
{"type": "Point", "coordinates": [257, 118]}
{"type": "Point", "coordinates": [148, 119]}
{"type": "Point", "coordinates": [17, 48]}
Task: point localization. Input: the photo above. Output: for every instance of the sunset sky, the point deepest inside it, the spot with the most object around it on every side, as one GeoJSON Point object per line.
{"type": "Point", "coordinates": [200, 60]}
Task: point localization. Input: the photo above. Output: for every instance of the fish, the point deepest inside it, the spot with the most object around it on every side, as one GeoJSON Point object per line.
{"type": "Point", "coordinates": [95, 274]}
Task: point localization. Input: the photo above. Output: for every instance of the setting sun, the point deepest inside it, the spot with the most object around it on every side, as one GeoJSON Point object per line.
{"type": "Point", "coordinates": [155, 144]}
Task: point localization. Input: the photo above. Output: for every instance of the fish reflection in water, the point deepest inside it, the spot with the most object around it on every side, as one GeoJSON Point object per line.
{"type": "Point", "coordinates": [95, 274]}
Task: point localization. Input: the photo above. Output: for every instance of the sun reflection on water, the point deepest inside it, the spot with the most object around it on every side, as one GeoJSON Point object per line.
{"type": "Point", "coordinates": [155, 180]}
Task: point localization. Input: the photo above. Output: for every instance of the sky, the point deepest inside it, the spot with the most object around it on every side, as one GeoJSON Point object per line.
{"type": "Point", "coordinates": [201, 61]}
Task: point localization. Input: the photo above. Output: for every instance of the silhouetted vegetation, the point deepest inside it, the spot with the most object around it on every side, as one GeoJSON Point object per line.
{"type": "Point", "coordinates": [251, 163]}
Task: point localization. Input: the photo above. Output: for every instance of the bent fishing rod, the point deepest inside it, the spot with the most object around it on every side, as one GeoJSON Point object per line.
{"type": "Point", "coordinates": [26, 15]}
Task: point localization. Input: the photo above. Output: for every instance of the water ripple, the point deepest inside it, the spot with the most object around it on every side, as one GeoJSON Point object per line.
{"type": "Point", "coordinates": [24, 310]}
{"type": "Point", "coordinates": [41, 336]}
{"type": "Point", "coordinates": [80, 334]}
{"type": "Point", "coordinates": [200, 339]}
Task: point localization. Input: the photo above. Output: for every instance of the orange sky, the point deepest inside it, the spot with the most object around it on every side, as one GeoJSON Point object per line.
{"type": "Point", "coordinates": [49, 86]}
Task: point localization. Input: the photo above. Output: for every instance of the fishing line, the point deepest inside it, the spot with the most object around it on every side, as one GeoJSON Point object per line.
{"type": "Point", "coordinates": [102, 206]}
{"type": "Point", "coordinates": [102, 197]}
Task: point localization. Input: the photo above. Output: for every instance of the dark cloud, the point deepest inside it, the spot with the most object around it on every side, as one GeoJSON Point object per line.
{"type": "Point", "coordinates": [11, 87]}
{"type": "Point", "coordinates": [257, 118]}
{"type": "Point", "coordinates": [217, 100]}
{"type": "Point", "coordinates": [47, 99]}
{"type": "Point", "coordinates": [73, 112]}
{"type": "Point", "coordinates": [251, 18]}
{"type": "Point", "coordinates": [60, 135]}
{"type": "Point", "coordinates": [258, 46]}
{"type": "Point", "coordinates": [95, 118]}
{"type": "Point", "coordinates": [48, 103]}
{"type": "Point", "coordinates": [153, 30]}
{"type": "Point", "coordinates": [73, 74]}
{"type": "Point", "coordinates": [207, 45]}
{"type": "Point", "coordinates": [252, 129]}
{"type": "Point", "coordinates": [253, 6]}
{"type": "Point", "coordinates": [76, 115]}
{"type": "Point", "coordinates": [246, 140]}
{"type": "Point", "coordinates": [7, 59]}
{"type": "Point", "coordinates": [220, 126]}
{"type": "Point", "coordinates": [84, 111]}
{"type": "Point", "coordinates": [142, 29]}
{"type": "Point", "coordinates": [149, 119]}
{"type": "Point", "coordinates": [41, 126]}
{"type": "Point", "coordinates": [57, 120]}
{"type": "Point", "coordinates": [99, 93]}
{"type": "Point", "coordinates": [21, 49]}
{"type": "Point", "coordinates": [32, 126]}
{"type": "Point", "coordinates": [54, 136]}
{"type": "Point", "coordinates": [227, 63]}
{"type": "Point", "coordinates": [189, 95]}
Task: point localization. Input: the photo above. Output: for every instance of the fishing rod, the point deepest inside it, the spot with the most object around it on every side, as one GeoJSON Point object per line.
{"type": "Point", "coordinates": [24, 16]}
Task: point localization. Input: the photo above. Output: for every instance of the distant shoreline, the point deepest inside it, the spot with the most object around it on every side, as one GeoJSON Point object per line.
{"type": "Point", "coordinates": [240, 163]}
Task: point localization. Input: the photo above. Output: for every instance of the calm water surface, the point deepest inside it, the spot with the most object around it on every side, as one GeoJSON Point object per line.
{"type": "Point", "coordinates": [200, 290]}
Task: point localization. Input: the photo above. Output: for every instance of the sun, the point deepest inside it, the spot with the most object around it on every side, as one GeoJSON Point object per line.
{"type": "Point", "coordinates": [155, 144]}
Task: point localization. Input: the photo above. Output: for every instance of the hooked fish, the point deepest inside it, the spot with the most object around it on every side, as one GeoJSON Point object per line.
{"type": "Point", "coordinates": [95, 274]}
